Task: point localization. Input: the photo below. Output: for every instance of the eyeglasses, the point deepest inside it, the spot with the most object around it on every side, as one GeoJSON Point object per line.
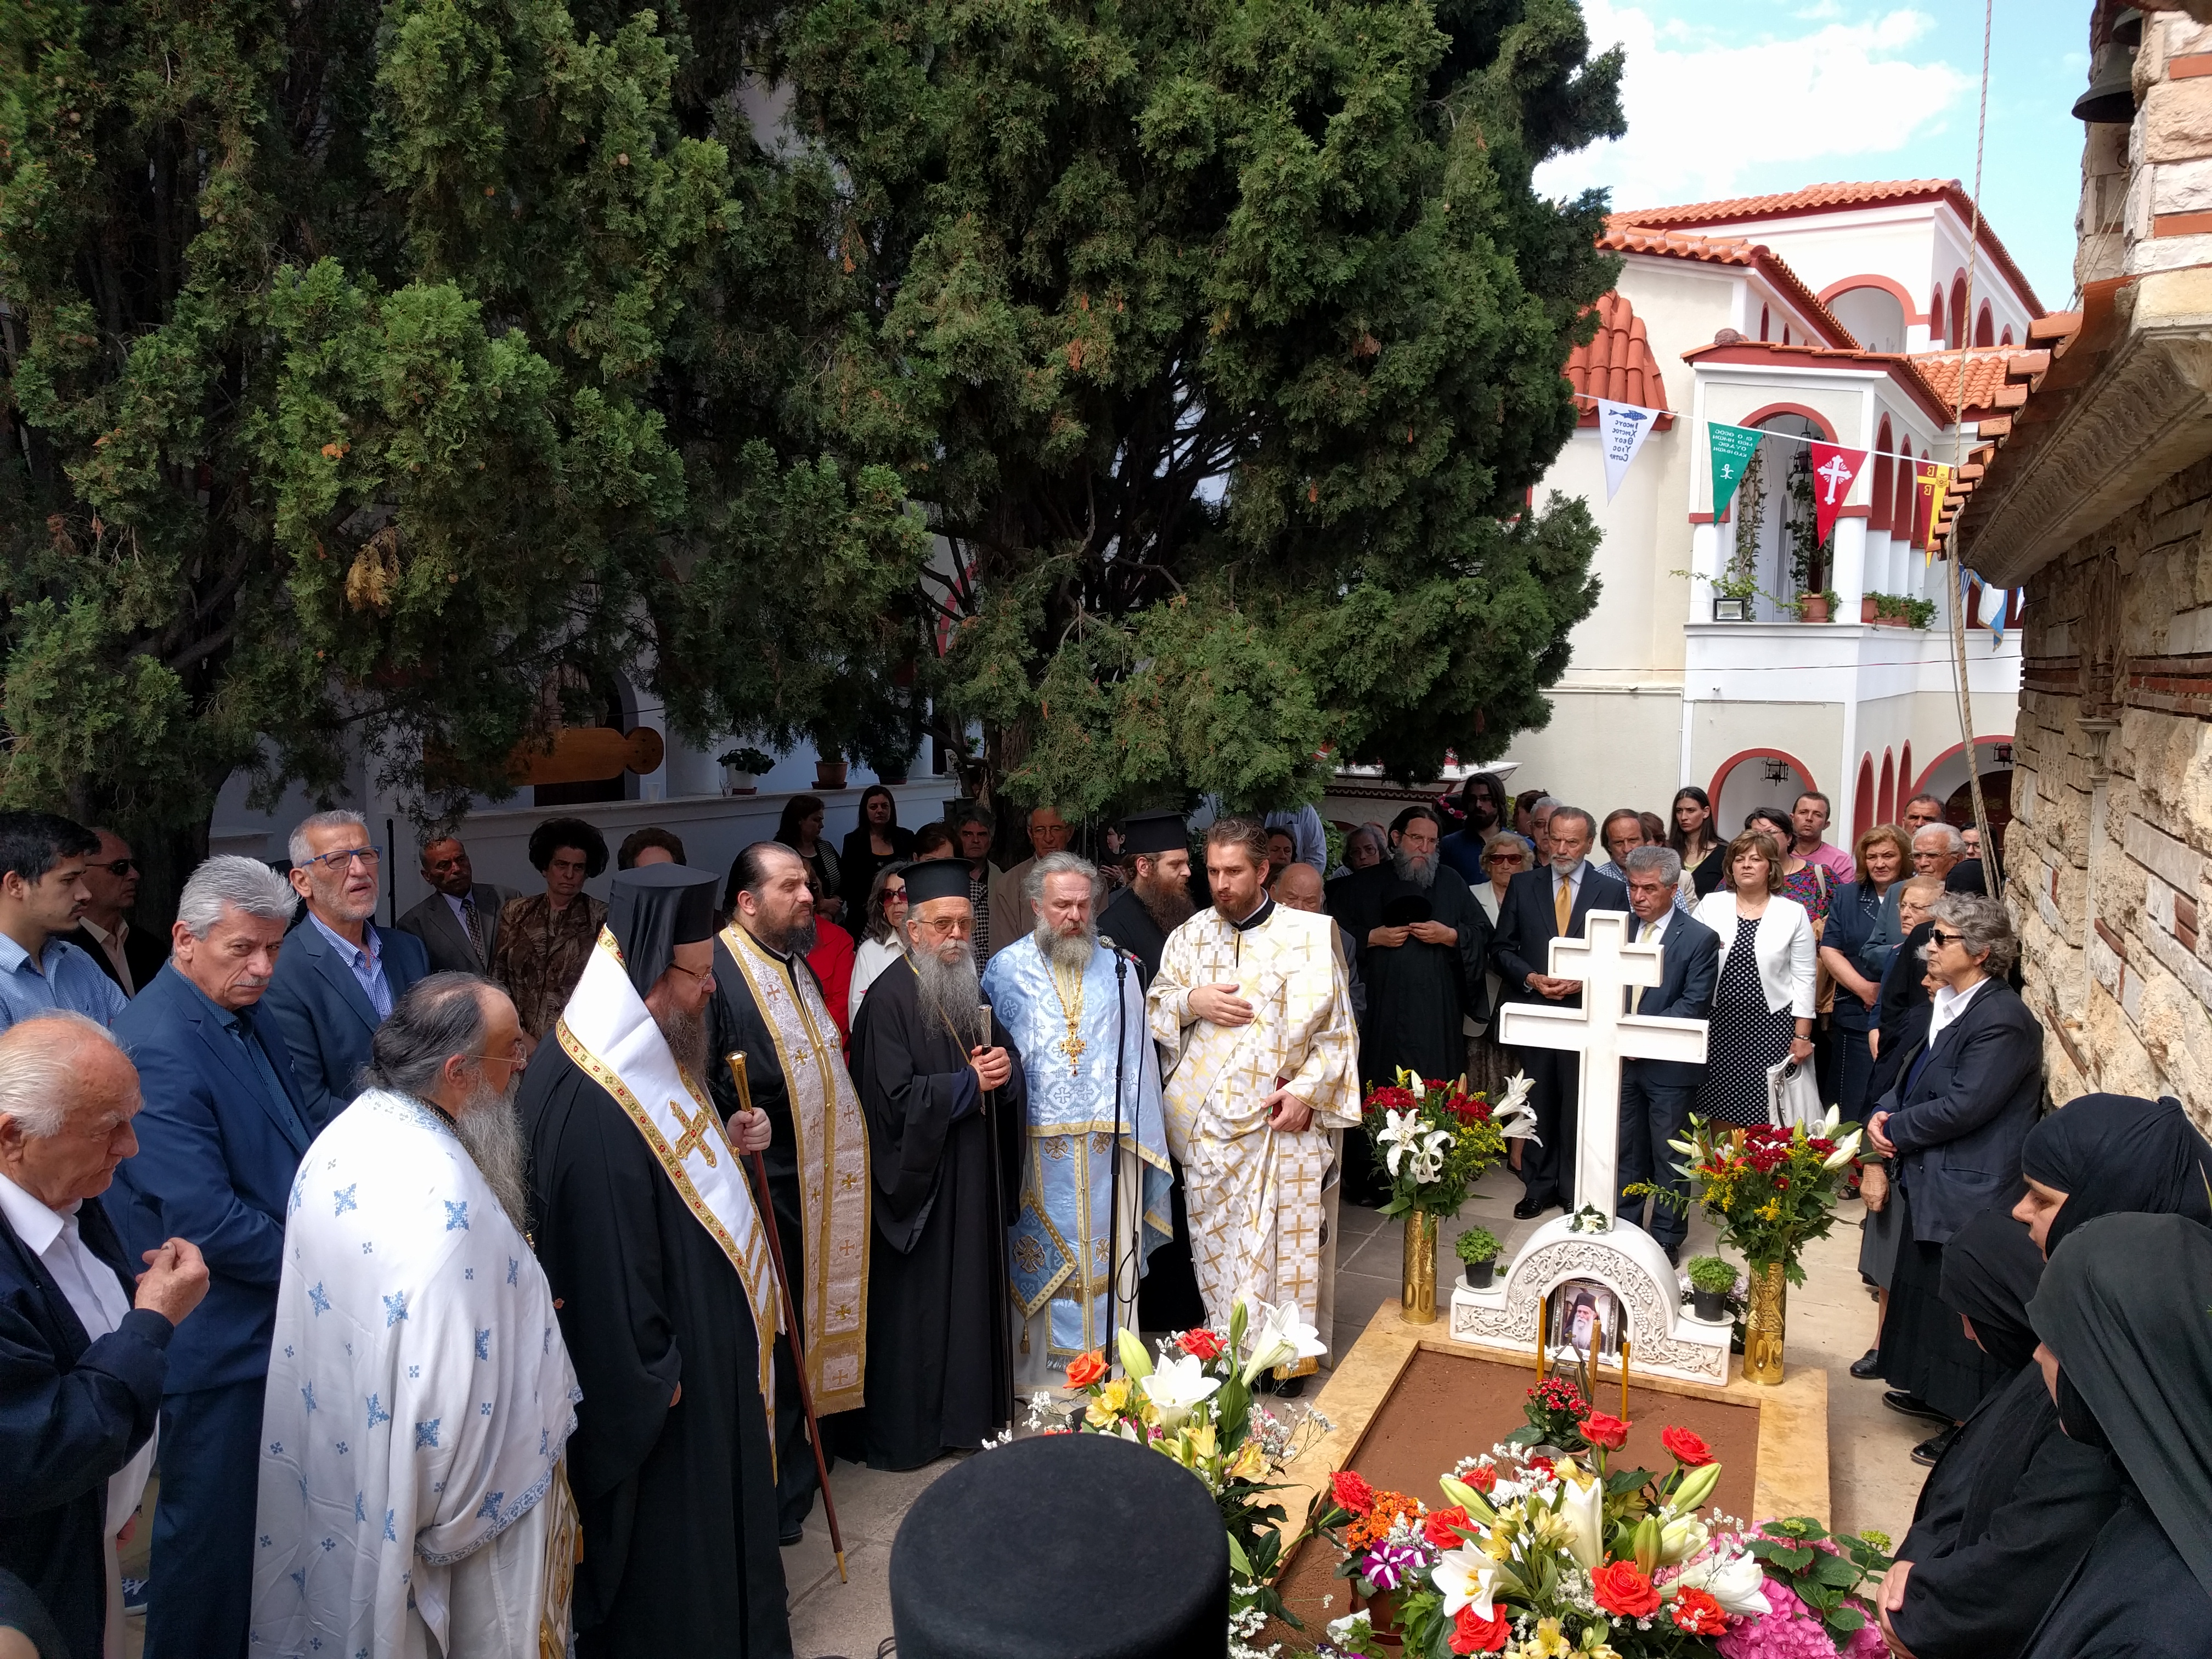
{"type": "Point", "coordinates": [895, 895]}
{"type": "Point", "coordinates": [334, 862]}
{"type": "Point", "coordinates": [695, 972]}
{"type": "Point", "coordinates": [514, 1056]}
{"type": "Point", "coordinates": [120, 866]}
{"type": "Point", "coordinates": [1936, 936]}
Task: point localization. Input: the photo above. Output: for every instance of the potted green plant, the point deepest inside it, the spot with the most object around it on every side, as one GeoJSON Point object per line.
{"type": "Point", "coordinates": [1478, 1248]}
{"type": "Point", "coordinates": [742, 768]}
{"type": "Point", "coordinates": [1710, 1281]}
{"type": "Point", "coordinates": [1813, 607]}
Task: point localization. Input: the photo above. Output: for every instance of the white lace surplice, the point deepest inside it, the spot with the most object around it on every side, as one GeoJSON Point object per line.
{"type": "Point", "coordinates": [419, 1392]}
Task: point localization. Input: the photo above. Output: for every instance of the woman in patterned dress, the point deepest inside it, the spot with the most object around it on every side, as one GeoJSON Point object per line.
{"type": "Point", "coordinates": [1763, 1004]}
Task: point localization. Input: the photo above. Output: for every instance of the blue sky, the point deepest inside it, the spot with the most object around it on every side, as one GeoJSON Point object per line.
{"type": "Point", "coordinates": [1739, 101]}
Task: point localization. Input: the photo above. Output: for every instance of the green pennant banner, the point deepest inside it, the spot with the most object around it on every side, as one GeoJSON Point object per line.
{"type": "Point", "coordinates": [1731, 447]}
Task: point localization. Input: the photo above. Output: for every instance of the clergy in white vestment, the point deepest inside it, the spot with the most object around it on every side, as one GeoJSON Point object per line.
{"type": "Point", "coordinates": [1252, 1010]}
{"type": "Point", "coordinates": [412, 1503]}
{"type": "Point", "coordinates": [1076, 1010]}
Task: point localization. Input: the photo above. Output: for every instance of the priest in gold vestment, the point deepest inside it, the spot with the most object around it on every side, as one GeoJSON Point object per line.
{"type": "Point", "coordinates": [1252, 1010]}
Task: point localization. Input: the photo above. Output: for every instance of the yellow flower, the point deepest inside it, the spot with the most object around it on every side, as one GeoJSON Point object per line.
{"type": "Point", "coordinates": [1115, 1395]}
{"type": "Point", "coordinates": [1202, 1439]}
{"type": "Point", "coordinates": [1548, 1642]}
{"type": "Point", "coordinates": [1250, 1462]}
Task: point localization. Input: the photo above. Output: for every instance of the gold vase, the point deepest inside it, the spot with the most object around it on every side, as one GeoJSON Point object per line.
{"type": "Point", "coordinates": [1762, 1326]}
{"type": "Point", "coordinates": [1417, 1288]}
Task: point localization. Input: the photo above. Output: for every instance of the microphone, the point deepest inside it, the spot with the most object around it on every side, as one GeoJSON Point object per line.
{"type": "Point", "coordinates": [1107, 940]}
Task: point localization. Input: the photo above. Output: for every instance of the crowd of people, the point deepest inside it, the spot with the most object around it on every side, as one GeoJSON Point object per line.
{"type": "Point", "coordinates": [491, 1283]}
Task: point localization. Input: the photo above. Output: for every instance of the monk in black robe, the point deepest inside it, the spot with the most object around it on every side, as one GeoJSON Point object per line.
{"type": "Point", "coordinates": [947, 1127]}
{"type": "Point", "coordinates": [1157, 902]}
{"type": "Point", "coordinates": [671, 1460]}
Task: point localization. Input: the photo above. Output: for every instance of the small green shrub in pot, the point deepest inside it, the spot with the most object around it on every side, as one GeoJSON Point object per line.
{"type": "Point", "coordinates": [1711, 1280]}
{"type": "Point", "coordinates": [1478, 1247]}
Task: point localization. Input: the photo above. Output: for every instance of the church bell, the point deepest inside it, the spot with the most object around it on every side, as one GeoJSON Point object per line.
{"type": "Point", "coordinates": [2111, 94]}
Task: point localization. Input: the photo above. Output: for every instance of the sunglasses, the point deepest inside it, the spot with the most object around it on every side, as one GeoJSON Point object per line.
{"type": "Point", "coordinates": [1936, 936]}
{"type": "Point", "coordinates": [120, 866]}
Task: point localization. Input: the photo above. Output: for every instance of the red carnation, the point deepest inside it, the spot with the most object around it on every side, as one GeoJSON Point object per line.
{"type": "Point", "coordinates": [1472, 1633]}
{"type": "Point", "coordinates": [1352, 1492]}
{"type": "Point", "coordinates": [1685, 1447]}
{"type": "Point", "coordinates": [1622, 1589]}
{"type": "Point", "coordinates": [1696, 1612]}
{"type": "Point", "coordinates": [1199, 1343]}
{"type": "Point", "coordinates": [1610, 1433]}
{"type": "Point", "coordinates": [1443, 1528]}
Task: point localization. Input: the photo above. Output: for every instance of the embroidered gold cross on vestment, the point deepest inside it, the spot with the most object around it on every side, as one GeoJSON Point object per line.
{"type": "Point", "coordinates": [696, 1132]}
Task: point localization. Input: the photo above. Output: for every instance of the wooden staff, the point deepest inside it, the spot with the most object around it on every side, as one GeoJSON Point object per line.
{"type": "Point", "coordinates": [999, 1208]}
{"type": "Point", "coordinates": [792, 1325]}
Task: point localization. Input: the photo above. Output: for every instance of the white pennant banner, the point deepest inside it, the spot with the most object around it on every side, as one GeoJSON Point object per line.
{"type": "Point", "coordinates": [1621, 430]}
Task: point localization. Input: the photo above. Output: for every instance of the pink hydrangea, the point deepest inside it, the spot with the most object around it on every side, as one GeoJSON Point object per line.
{"type": "Point", "coordinates": [1791, 1631]}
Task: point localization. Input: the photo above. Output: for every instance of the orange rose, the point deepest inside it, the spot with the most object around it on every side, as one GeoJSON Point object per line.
{"type": "Point", "coordinates": [1696, 1612]}
{"type": "Point", "coordinates": [1472, 1633]}
{"type": "Point", "coordinates": [1622, 1589]}
{"type": "Point", "coordinates": [1201, 1344]}
{"type": "Point", "coordinates": [1688, 1449]}
{"type": "Point", "coordinates": [1085, 1368]}
{"type": "Point", "coordinates": [1443, 1528]}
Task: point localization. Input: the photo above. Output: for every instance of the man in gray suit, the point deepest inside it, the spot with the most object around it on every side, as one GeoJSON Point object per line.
{"type": "Point", "coordinates": [459, 923]}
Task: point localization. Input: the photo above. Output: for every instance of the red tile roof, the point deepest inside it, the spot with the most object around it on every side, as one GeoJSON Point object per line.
{"type": "Point", "coordinates": [1988, 374]}
{"type": "Point", "coordinates": [1623, 237]}
{"type": "Point", "coordinates": [1838, 198]}
{"type": "Point", "coordinates": [1617, 363]}
{"type": "Point", "coordinates": [2068, 348]}
{"type": "Point", "coordinates": [1732, 348]}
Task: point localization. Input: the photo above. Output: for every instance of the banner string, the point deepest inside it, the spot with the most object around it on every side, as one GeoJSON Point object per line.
{"type": "Point", "coordinates": [1786, 437]}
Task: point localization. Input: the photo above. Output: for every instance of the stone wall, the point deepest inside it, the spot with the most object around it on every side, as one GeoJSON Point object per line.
{"type": "Point", "coordinates": [2109, 856]}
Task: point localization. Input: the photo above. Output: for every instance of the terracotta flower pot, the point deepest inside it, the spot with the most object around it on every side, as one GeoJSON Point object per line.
{"type": "Point", "coordinates": [829, 775]}
{"type": "Point", "coordinates": [1812, 608]}
{"type": "Point", "coordinates": [1868, 611]}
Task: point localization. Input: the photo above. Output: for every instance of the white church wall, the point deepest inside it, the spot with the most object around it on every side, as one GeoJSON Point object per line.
{"type": "Point", "coordinates": [1605, 748]}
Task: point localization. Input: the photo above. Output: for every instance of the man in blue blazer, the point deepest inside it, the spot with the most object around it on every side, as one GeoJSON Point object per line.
{"type": "Point", "coordinates": [1536, 902]}
{"type": "Point", "coordinates": [1657, 1094]}
{"type": "Point", "coordinates": [340, 973]}
{"type": "Point", "coordinates": [220, 1138]}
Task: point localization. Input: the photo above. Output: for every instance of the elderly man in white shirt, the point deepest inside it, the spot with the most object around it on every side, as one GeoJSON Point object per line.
{"type": "Point", "coordinates": [81, 1367]}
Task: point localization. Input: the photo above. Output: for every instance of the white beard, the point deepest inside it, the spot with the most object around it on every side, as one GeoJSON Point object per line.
{"type": "Point", "coordinates": [949, 991]}
{"type": "Point", "coordinates": [1069, 952]}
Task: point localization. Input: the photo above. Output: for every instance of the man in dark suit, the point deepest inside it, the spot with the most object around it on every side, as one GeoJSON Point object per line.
{"type": "Point", "coordinates": [220, 1140]}
{"type": "Point", "coordinates": [1657, 1094]}
{"type": "Point", "coordinates": [459, 923]}
{"type": "Point", "coordinates": [81, 1367]}
{"type": "Point", "coordinates": [340, 973]}
{"type": "Point", "coordinates": [1541, 905]}
{"type": "Point", "coordinates": [130, 956]}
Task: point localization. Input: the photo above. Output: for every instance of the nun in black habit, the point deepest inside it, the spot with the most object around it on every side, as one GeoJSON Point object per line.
{"type": "Point", "coordinates": [945, 1157]}
{"type": "Point", "coordinates": [2127, 1350]}
{"type": "Point", "coordinates": [2012, 1505]}
{"type": "Point", "coordinates": [670, 1463]}
{"type": "Point", "coordinates": [2106, 1154]}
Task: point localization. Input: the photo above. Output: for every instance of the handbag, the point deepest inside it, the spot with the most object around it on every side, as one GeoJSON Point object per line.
{"type": "Point", "coordinates": [1792, 1096]}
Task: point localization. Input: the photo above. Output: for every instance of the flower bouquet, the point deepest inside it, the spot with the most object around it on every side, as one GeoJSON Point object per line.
{"type": "Point", "coordinates": [1436, 1141]}
{"type": "Point", "coordinates": [1193, 1402]}
{"type": "Point", "coordinates": [1770, 1191]}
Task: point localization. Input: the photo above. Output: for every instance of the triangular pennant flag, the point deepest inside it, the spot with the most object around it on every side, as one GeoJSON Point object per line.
{"type": "Point", "coordinates": [1621, 430]}
{"type": "Point", "coordinates": [1932, 479]}
{"type": "Point", "coordinates": [1835, 470]}
{"type": "Point", "coordinates": [1731, 446]}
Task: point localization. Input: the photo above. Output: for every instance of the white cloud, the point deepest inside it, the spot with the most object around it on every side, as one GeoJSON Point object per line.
{"type": "Point", "coordinates": [1706, 106]}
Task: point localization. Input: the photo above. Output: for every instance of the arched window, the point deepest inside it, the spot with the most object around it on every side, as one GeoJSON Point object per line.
{"type": "Point", "coordinates": [2006, 339]}
{"type": "Point", "coordinates": [1935, 318]}
{"type": "Point", "coordinates": [1763, 320]}
{"type": "Point", "coordinates": [1984, 326]}
{"type": "Point", "coordinates": [1884, 475]}
{"type": "Point", "coordinates": [1904, 777]}
{"type": "Point", "coordinates": [1900, 517]}
{"type": "Point", "coordinates": [1957, 336]}
{"type": "Point", "coordinates": [1885, 805]}
{"type": "Point", "coordinates": [1785, 334]}
{"type": "Point", "coordinates": [1862, 799]}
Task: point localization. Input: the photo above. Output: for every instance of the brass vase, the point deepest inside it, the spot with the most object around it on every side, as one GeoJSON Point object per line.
{"type": "Point", "coordinates": [1417, 1290]}
{"type": "Point", "coordinates": [1762, 1326]}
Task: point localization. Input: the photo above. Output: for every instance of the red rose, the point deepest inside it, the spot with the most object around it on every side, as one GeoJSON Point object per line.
{"type": "Point", "coordinates": [1482, 1477]}
{"type": "Point", "coordinates": [1441, 1528]}
{"type": "Point", "coordinates": [1696, 1612]}
{"type": "Point", "coordinates": [1610, 1433]}
{"type": "Point", "coordinates": [1472, 1633]}
{"type": "Point", "coordinates": [1085, 1368]}
{"type": "Point", "coordinates": [1350, 1491]}
{"type": "Point", "coordinates": [1540, 1467]}
{"type": "Point", "coordinates": [1199, 1343]}
{"type": "Point", "coordinates": [1622, 1589]}
{"type": "Point", "coordinates": [1686, 1447]}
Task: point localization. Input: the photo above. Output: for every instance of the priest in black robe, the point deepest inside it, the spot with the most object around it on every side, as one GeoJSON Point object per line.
{"type": "Point", "coordinates": [663, 1290]}
{"type": "Point", "coordinates": [947, 1129]}
{"type": "Point", "coordinates": [1157, 902]}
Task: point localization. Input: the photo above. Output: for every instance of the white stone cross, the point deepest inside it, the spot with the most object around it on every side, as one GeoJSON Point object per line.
{"type": "Point", "coordinates": [1608, 965]}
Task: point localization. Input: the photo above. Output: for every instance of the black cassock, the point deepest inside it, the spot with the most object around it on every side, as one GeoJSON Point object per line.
{"type": "Point", "coordinates": [1129, 925]}
{"type": "Point", "coordinates": [1417, 994]}
{"type": "Point", "coordinates": [940, 1362]}
{"type": "Point", "coordinates": [2132, 1597]}
{"type": "Point", "coordinates": [678, 1505]}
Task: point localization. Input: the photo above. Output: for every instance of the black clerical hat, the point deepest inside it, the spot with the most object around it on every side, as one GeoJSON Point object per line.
{"type": "Point", "coordinates": [1152, 833]}
{"type": "Point", "coordinates": [935, 878]}
{"type": "Point", "coordinates": [1403, 909]}
{"type": "Point", "coordinates": [655, 909]}
{"type": "Point", "coordinates": [1063, 1543]}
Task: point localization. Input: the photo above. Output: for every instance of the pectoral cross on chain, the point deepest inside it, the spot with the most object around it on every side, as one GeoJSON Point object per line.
{"type": "Point", "coordinates": [697, 1133]}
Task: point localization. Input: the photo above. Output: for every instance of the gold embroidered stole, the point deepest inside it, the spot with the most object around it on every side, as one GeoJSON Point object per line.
{"type": "Point", "coordinates": [832, 1152]}
{"type": "Point", "coordinates": [608, 1032]}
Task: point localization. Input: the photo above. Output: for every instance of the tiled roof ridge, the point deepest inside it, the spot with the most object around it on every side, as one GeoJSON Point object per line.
{"type": "Point", "coordinates": [1623, 237]}
{"type": "Point", "coordinates": [1617, 363]}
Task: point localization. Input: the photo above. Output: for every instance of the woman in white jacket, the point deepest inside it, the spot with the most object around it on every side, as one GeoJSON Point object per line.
{"type": "Point", "coordinates": [1763, 1004]}
{"type": "Point", "coordinates": [886, 931]}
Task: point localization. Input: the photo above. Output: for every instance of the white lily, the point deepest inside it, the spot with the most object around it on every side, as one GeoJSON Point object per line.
{"type": "Point", "coordinates": [1465, 1577]}
{"type": "Point", "coordinates": [1516, 1118]}
{"type": "Point", "coordinates": [1737, 1582]}
{"type": "Point", "coordinates": [1582, 1505]}
{"type": "Point", "coordinates": [1828, 1123]}
{"type": "Point", "coordinates": [1682, 1538]}
{"type": "Point", "coordinates": [1846, 1150]}
{"type": "Point", "coordinates": [1283, 1339]}
{"type": "Point", "coordinates": [1401, 1133]}
{"type": "Point", "coordinates": [1178, 1386]}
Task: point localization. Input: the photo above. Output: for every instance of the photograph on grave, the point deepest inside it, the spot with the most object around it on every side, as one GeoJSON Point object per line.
{"type": "Point", "coordinates": [1586, 1317]}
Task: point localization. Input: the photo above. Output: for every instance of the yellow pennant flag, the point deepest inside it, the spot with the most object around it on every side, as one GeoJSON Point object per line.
{"type": "Point", "coordinates": [1933, 480]}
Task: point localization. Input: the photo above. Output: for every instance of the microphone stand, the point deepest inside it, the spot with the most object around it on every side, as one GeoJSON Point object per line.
{"type": "Point", "coordinates": [793, 1327]}
{"type": "Point", "coordinates": [1114, 1175]}
{"type": "Point", "coordinates": [1000, 1291]}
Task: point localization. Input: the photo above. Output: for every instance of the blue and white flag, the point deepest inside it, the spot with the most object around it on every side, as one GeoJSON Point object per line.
{"type": "Point", "coordinates": [1621, 430]}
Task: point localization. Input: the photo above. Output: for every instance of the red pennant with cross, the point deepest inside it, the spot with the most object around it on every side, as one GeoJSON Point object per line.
{"type": "Point", "coordinates": [1835, 470]}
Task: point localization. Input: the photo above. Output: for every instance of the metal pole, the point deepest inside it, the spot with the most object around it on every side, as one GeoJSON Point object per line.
{"type": "Point", "coordinates": [998, 1223]}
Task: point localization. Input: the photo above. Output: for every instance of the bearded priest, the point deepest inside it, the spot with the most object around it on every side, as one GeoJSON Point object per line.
{"type": "Point", "coordinates": [1252, 1010]}
{"type": "Point", "coordinates": [768, 1006]}
{"type": "Point", "coordinates": [943, 1091]}
{"type": "Point", "coordinates": [650, 1239]}
{"type": "Point", "coordinates": [1157, 899]}
{"type": "Point", "coordinates": [420, 1398]}
{"type": "Point", "coordinates": [1077, 1012]}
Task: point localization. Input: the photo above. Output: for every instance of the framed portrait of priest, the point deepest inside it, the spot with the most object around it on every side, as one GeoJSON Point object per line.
{"type": "Point", "coordinates": [1586, 1317]}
